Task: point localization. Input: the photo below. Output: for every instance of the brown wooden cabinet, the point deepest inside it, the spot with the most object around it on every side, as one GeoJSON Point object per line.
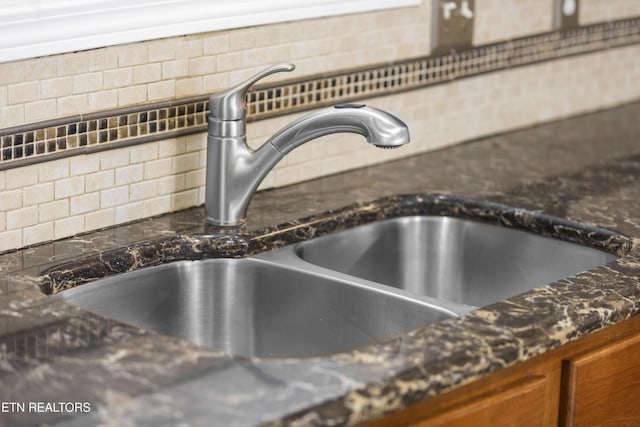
{"type": "Point", "coordinates": [601, 386]}
{"type": "Point", "coordinates": [496, 408]}
{"type": "Point", "coordinates": [594, 381]}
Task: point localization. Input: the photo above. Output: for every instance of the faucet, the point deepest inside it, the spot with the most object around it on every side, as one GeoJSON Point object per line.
{"type": "Point", "coordinates": [234, 170]}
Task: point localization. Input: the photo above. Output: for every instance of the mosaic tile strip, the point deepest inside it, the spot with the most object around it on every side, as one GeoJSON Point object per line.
{"type": "Point", "coordinates": [91, 132]}
{"type": "Point", "coordinates": [81, 134]}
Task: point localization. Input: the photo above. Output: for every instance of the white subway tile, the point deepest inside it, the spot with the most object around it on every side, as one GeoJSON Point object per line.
{"type": "Point", "coordinates": [53, 170]}
{"type": "Point", "coordinates": [144, 152]}
{"type": "Point", "coordinates": [216, 82]}
{"type": "Point", "coordinates": [175, 69]}
{"type": "Point", "coordinates": [53, 210]}
{"type": "Point", "coordinates": [40, 68]}
{"type": "Point", "coordinates": [36, 194]}
{"type": "Point", "coordinates": [11, 115]}
{"type": "Point", "coordinates": [189, 47]}
{"type": "Point", "coordinates": [129, 174]}
{"type": "Point", "coordinates": [22, 177]}
{"type": "Point", "coordinates": [171, 184]}
{"type": "Point", "coordinates": [203, 65]}
{"type": "Point", "coordinates": [241, 39]}
{"type": "Point", "coordinates": [147, 73]}
{"type": "Point", "coordinates": [84, 164]}
{"type": "Point", "coordinates": [37, 234]}
{"type": "Point", "coordinates": [68, 227]}
{"type": "Point", "coordinates": [84, 203]}
{"type": "Point", "coordinates": [21, 218]}
{"type": "Point", "coordinates": [69, 187]}
{"type": "Point", "coordinates": [103, 100]}
{"type": "Point", "coordinates": [157, 206]}
{"type": "Point", "coordinates": [161, 90]}
{"type": "Point", "coordinates": [129, 212]}
{"type": "Point", "coordinates": [230, 61]}
{"type": "Point", "coordinates": [12, 72]}
{"type": "Point", "coordinates": [120, 77]}
{"type": "Point", "coordinates": [499, 20]}
{"type": "Point", "coordinates": [24, 92]}
{"type": "Point", "coordinates": [100, 219]}
{"type": "Point", "coordinates": [184, 200]}
{"type": "Point", "coordinates": [132, 95]}
{"type": "Point", "coordinates": [216, 44]}
{"type": "Point", "coordinates": [72, 105]}
{"type": "Point", "coordinates": [10, 240]}
{"type": "Point", "coordinates": [268, 36]}
{"type": "Point", "coordinates": [72, 63]}
{"type": "Point", "coordinates": [102, 59]}
{"type": "Point", "coordinates": [162, 50]}
{"type": "Point", "coordinates": [592, 11]}
{"type": "Point", "coordinates": [133, 54]}
{"type": "Point", "coordinates": [115, 196]}
{"type": "Point", "coordinates": [185, 162]}
{"type": "Point", "coordinates": [11, 200]}
{"type": "Point", "coordinates": [195, 179]}
{"type": "Point", "coordinates": [171, 147]}
{"type": "Point", "coordinates": [188, 86]}
{"type": "Point", "coordinates": [143, 190]}
{"type": "Point", "coordinates": [40, 110]}
{"type": "Point", "coordinates": [157, 168]}
{"type": "Point", "coordinates": [114, 159]}
{"type": "Point", "coordinates": [90, 82]}
{"type": "Point", "coordinates": [99, 180]}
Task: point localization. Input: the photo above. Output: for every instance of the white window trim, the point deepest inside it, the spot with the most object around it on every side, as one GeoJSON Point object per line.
{"type": "Point", "coordinates": [32, 28]}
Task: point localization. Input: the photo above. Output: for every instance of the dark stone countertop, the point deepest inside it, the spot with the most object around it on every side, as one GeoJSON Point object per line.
{"type": "Point", "coordinates": [584, 169]}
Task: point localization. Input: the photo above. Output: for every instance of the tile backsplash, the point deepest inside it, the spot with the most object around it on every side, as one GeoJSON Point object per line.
{"type": "Point", "coordinates": [67, 196]}
{"type": "Point", "coordinates": [497, 20]}
{"type": "Point", "coordinates": [607, 10]}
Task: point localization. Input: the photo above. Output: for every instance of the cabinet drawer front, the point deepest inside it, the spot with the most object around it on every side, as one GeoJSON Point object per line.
{"type": "Point", "coordinates": [521, 404]}
{"type": "Point", "coordinates": [601, 387]}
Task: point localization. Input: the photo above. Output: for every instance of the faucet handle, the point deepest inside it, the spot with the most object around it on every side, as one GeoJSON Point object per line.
{"type": "Point", "coordinates": [230, 104]}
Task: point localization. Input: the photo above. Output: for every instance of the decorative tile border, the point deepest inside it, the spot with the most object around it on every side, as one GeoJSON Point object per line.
{"type": "Point", "coordinates": [99, 131]}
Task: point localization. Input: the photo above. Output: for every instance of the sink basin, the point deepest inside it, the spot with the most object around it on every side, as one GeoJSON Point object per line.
{"type": "Point", "coordinates": [455, 260]}
{"type": "Point", "coordinates": [340, 291]}
{"type": "Point", "coordinates": [251, 307]}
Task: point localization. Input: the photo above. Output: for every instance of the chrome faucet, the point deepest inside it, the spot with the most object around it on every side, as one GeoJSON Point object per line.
{"type": "Point", "coordinates": [234, 170]}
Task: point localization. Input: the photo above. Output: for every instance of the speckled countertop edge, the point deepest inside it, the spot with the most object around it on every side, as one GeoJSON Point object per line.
{"type": "Point", "coordinates": [377, 379]}
{"type": "Point", "coordinates": [197, 246]}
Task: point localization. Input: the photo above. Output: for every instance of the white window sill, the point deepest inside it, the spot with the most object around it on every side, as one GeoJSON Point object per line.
{"type": "Point", "coordinates": [32, 28]}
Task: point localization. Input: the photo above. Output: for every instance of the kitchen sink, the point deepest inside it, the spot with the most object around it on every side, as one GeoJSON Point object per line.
{"type": "Point", "coordinates": [252, 307]}
{"type": "Point", "coordinates": [340, 291]}
{"type": "Point", "coordinates": [456, 260]}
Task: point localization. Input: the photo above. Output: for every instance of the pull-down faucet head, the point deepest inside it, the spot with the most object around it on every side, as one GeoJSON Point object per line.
{"type": "Point", "coordinates": [234, 170]}
{"type": "Point", "coordinates": [379, 128]}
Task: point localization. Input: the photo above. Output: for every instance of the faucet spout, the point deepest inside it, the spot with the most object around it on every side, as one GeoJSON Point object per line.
{"type": "Point", "coordinates": [380, 128]}
{"type": "Point", "coordinates": [234, 170]}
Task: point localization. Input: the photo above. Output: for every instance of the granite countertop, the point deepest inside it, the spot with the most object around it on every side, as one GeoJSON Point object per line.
{"type": "Point", "coordinates": [583, 169]}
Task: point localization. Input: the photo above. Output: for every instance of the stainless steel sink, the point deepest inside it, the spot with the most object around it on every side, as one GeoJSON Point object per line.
{"type": "Point", "coordinates": [456, 260]}
{"type": "Point", "coordinates": [252, 307]}
{"type": "Point", "coordinates": [337, 292]}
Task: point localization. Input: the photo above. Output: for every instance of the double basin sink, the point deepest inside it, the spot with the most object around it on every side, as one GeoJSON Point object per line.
{"type": "Point", "coordinates": [340, 291]}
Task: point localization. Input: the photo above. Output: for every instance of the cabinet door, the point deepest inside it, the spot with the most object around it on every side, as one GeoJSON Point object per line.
{"type": "Point", "coordinates": [519, 404]}
{"type": "Point", "coordinates": [601, 387]}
